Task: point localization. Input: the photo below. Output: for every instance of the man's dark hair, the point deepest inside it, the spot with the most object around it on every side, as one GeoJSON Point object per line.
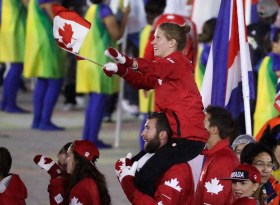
{"type": "Point", "coordinates": [222, 119]}
{"type": "Point", "coordinates": [5, 161]}
{"type": "Point", "coordinates": [250, 151]}
{"type": "Point", "coordinates": [162, 123]}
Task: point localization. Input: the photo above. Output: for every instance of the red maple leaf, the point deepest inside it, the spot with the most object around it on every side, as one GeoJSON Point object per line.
{"type": "Point", "coordinates": [48, 160]}
{"type": "Point", "coordinates": [66, 34]}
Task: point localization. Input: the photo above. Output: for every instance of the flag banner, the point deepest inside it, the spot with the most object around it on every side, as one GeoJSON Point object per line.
{"type": "Point", "coordinates": [69, 28]}
{"type": "Point", "coordinates": [277, 97]}
{"type": "Point", "coordinates": [277, 102]}
{"type": "Point", "coordinates": [222, 84]}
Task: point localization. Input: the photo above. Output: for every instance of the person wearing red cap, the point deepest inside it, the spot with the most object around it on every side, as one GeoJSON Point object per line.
{"type": "Point", "coordinates": [85, 184]}
{"type": "Point", "coordinates": [246, 180]}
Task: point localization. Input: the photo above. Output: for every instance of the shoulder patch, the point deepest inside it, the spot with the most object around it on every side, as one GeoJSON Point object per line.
{"type": "Point", "coordinates": [58, 198]}
{"type": "Point", "coordinates": [75, 201]}
{"type": "Point", "coordinates": [170, 60]}
{"type": "Point", "coordinates": [173, 183]}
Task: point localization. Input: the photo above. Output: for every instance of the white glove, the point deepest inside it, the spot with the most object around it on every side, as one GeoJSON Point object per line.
{"type": "Point", "coordinates": [111, 67]}
{"type": "Point", "coordinates": [123, 162]}
{"type": "Point", "coordinates": [128, 171]}
{"type": "Point", "coordinates": [118, 57]}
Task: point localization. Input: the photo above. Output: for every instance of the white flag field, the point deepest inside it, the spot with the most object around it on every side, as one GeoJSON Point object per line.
{"type": "Point", "coordinates": [70, 30]}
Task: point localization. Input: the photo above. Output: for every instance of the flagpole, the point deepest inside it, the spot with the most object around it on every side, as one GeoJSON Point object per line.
{"type": "Point", "coordinates": [81, 57]}
{"type": "Point", "coordinates": [244, 66]}
{"type": "Point", "coordinates": [248, 12]}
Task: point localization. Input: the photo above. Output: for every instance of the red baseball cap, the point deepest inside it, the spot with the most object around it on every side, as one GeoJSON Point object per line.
{"type": "Point", "coordinates": [86, 149]}
{"type": "Point", "coordinates": [246, 172]}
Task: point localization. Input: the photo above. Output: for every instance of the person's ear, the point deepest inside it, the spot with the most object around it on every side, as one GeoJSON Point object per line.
{"type": "Point", "coordinates": [163, 136]}
{"type": "Point", "coordinates": [172, 43]}
{"type": "Point", "coordinates": [214, 129]}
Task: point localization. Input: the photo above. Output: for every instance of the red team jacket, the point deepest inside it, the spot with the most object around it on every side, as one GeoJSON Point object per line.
{"type": "Point", "coordinates": [220, 162]}
{"type": "Point", "coordinates": [176, 186]}
{"type": "Point", "coordinates": [176, 93]}
{"type": "Point", "coordinates": [245, 201]}
{"type": "Point", "coordinates": [15, 193]}
{"type": "Point", "coordinates": [85, 192]}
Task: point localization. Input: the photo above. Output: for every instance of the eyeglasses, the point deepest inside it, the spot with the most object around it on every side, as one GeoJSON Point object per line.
{"type": "Point", "coordinates": [263, 165]}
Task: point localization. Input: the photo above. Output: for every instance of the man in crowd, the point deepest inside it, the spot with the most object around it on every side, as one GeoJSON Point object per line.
{"type": "Point", "coordinates": [219, 159]}
{"type": "Point", "coordinates": [174, 187]}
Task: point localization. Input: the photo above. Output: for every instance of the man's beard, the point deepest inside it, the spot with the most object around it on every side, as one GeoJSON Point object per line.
{"type": "Point", "coordinates": [152, 145]}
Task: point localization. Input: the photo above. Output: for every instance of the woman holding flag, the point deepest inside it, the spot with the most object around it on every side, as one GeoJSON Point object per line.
{"type": "Point", "coordinates": [44, 60]}
{"type": "Point", "coordinates": [90, 79]}
{"type": "Point", "coordinates": [176, 93]}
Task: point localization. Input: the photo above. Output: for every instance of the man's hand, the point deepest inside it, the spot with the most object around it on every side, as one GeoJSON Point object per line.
{"type": "Point", "coordinates": [126, 179]}
{"type": "Point", "coordinates": [128, 171]}
{"type": "Point", "coordinates": [123, 162]}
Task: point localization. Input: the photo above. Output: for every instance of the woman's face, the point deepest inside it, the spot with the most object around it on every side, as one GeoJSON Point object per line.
{"type": "Point", "coordinates": [244, 188]}
{"type": "Point", "coordinates": [263, 162]}
{"type": "Point", "coordinates": [70, 161]}
{"type": "Point", "coordinates": [162, 46]}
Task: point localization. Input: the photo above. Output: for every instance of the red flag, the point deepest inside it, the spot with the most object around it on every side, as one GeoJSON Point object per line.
{"type": "Point", "coordinates": [69, 28]}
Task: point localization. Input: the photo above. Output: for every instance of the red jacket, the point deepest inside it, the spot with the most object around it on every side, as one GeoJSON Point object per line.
{"type": "Point", "coordinates": [220, 162]}
{"type": "Point", "coordinates": [245, 201]}
{"type": "Point", "coordinates": [85, 192]}
{"type": "Point", "coordinates": [176, 93]}
{"type": "Point", "coordinates": [176, 187]}
{"type": "Point", "coordinates": [15, 192]}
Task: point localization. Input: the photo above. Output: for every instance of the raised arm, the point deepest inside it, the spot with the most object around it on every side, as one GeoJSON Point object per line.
{"type": "Point", "coordinates": [116, 30]}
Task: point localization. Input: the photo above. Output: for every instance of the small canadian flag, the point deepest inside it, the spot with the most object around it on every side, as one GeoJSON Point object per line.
{"type": "Point", "coordinates": [69, 28]}
{"type": "Point", "coordinates": [277, 97]}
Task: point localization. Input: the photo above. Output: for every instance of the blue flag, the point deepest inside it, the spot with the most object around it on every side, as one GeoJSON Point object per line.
{"type": "Point", "coordinates": [222, 84]}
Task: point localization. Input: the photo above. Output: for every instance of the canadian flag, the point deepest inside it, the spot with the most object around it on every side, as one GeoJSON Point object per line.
{"type": "Point", "coordinates": [69, 28]}
{"type": "Point", "coordinates": [277, 97]}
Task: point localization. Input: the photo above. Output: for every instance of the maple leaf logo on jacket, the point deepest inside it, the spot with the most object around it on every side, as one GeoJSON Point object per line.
{"type": "Point", "coordinates": [214, 187]}
{"type": "Point", "coordinates": [69, 28]}
{"type": "Point", "coordinates": [75, 201]}
{"type": "Point", "coordinates": [174, 183]}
